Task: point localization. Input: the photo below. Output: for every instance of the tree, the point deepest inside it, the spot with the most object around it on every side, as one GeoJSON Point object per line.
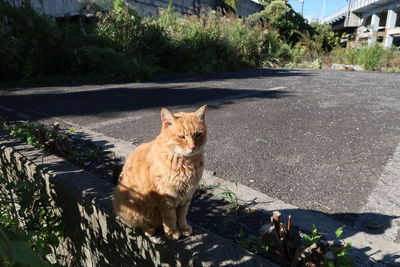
{"type": "Point", "coordinates": [279, 15]}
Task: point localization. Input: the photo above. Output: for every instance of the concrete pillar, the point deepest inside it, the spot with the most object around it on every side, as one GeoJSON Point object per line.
{"type": "Point", "coordinates": [390, 24]}
{"type": "Point", "coordinates": [374, 25]}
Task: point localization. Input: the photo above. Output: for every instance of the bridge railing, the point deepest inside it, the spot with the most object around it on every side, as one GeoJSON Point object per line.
{"type": "Point", "coordinates": [342, 12]}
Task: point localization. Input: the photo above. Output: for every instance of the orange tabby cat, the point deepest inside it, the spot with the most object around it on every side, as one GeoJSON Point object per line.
{"type": "Point", "coordinates": [159, 178]}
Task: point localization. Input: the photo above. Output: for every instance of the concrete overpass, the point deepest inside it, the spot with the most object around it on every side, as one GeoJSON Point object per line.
{"type": "Point", "coordinates": [370, 21]}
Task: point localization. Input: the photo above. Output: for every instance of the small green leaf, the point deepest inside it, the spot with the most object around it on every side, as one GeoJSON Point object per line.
{"type": "Point", "coordinates": [314, 231]}
{"type": "Point", "coordinates": [306, 237]}
{"type": "Point", "coordinates": [339, 232]}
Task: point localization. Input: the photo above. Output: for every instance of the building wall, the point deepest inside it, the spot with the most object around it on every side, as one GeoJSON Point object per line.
{"type": "Point", "coordinates": [61, 8]}
{"type": "Point", "coordinates": [248, 7]}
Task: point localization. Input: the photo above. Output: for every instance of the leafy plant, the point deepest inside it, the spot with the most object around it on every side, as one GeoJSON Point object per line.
{"type": "Point", "coordinates": [319, 250]}
{"type": "Point", "coordinates": [314, 237]}
{"type": "Point", "coordinates": [15, 250]}
{"type": "Point", "coordinates": [252, 243]}
{"type": "Point", "coordinates": [29, 226]}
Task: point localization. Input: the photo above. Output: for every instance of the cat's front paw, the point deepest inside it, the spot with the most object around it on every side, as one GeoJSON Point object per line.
{"type": "Point", "coordinates": [149, 231]}
{"type": "Point", "coordinates": [173, 234]}
{"type": "Point", "coordinates": [186, 230]}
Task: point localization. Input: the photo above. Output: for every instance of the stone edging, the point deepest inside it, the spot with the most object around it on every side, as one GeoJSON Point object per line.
{"type": "Point", "coordinates": [97, 237]}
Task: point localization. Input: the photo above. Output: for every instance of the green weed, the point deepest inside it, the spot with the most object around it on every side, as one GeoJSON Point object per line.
{"type": "Point", "coordinates": [314, 237]}
{"type": "Point", "coordinates": [228, 195]}
{"type": "Point", "coordinates": [252, 243]}
{"type": "Point", "coordinates": [54, 141]}
{"type": "Point", "coordinates": [337, 255]}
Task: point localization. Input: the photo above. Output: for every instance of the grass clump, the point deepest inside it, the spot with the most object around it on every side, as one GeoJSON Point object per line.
{"type": "Point", "coordinates": [369, 57]}
{"type": "Point", "coordinates": [366, 56]}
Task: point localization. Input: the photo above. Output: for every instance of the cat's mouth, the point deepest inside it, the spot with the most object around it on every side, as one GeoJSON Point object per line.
{"type": "Point", "coordinates": [188, 152]}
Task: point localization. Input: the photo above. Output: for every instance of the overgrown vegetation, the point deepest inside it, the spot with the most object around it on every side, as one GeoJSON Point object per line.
{"type": "Point", "coordinates": [29, 228]}
{"type": "Point", "coordinates": [370, 57]}
{"type": "Point", "coordinates": [56, 141]}
{"type": "Point", "coordinates": [118, 44]}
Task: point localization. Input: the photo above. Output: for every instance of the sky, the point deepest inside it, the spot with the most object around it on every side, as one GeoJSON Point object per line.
{"type": "Point", "coordinates": [315, 8]}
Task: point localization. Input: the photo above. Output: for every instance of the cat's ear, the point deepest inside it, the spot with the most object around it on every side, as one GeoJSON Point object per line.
{"type": "Point", "coordinates": [167, 117]}
{"type": "Point", "coordinates": [201, 112]}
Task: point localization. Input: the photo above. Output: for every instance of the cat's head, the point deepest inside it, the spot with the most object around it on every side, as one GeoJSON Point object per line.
{"type": "Point", "coordinates": [184, 133]}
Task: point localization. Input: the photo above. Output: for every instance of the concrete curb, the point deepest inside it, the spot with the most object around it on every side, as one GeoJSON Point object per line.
{"type": "Point", "coordinates": [368, 249]}
{"type": "Point", "coordinates": [96, 237]}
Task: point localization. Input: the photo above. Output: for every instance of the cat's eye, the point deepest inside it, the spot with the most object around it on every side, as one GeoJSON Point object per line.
{"type": "Point", "coordinates": [181, 136]}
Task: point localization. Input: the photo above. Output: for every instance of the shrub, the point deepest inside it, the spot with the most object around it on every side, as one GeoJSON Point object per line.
{"type": "Point", "coordinates": [207, 42]}
{"type": "Point", "coordinates": [204, 50]}
{"type": "Point", "coordinates": [391, 59]}
{"type": "Point", "coordinates": [271, 45]}
{"type": "Point", "coordinates": [326, 36]}
{"type": "Point", "coordinates": [244, 40]}
{"type": "Point", "coordinates": [366, 56]}
{"type": "Point", "coordinates": [28, 45]}
{"type": "Point", "coordinates": [107, 63]}
{"type": "Point", "coordinates": [278, 15]}
{"type": "Point", "coordinates": [369, 57]}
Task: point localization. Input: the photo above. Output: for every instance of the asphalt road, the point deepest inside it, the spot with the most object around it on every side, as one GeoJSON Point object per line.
{"type": "Point", "coordinates": [318, 139]}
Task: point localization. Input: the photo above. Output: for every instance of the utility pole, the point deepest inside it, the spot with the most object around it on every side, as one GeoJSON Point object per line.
{"type": "Point", "coordinates": [302, 7]}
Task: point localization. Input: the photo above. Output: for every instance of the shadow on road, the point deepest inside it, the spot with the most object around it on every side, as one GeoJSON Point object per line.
{"type": "Point", "coordinates": [247, 73]}
{"type": "Point", "coordinates": [123, 99]}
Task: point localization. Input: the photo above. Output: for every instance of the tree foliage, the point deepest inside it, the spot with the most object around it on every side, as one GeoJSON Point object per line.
{"type": "Point", "coordinates": [279, 15]}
